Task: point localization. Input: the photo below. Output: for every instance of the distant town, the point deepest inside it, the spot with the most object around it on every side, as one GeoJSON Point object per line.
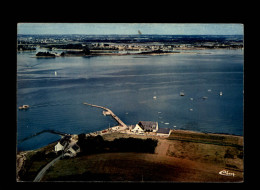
{"type": "Point", "coordinates": [81, 45]}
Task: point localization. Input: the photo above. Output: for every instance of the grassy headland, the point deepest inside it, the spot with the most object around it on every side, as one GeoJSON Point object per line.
{"type": "Point", "coordinates": [184, 156]}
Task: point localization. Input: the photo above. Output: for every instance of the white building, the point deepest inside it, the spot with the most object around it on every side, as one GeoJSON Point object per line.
{"type": "Point", "coordinates": [163, 132]}
{"type": "Point", "coordinates": [62, 143]}
{"type": "Point", "coordinates": [137, 129]}
{"type": "Point", "coordinates": [58, 147]}
{"type": "Point", "coordinates": [72, 151]}
{"type": "Point", "coordinates": [145, 126]}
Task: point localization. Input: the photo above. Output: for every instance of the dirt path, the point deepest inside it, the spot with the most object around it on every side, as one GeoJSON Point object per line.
{"type": "Point", "coordinates": [162, 147]}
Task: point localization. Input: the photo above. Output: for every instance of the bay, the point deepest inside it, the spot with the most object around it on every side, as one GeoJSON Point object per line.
{"type": "Point", "coordinates": [126, 85]}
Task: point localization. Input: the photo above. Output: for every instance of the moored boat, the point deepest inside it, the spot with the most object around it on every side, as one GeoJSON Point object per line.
{"type": "Point", "coordinates": [24, 107]}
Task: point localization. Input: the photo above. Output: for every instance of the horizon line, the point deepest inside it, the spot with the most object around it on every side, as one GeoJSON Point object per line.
{"type": "Point", "coordinates": [147, 34]}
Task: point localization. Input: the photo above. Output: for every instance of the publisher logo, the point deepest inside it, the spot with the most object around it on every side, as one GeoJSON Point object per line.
{"type": "Point", "coordinates": [226, 173]}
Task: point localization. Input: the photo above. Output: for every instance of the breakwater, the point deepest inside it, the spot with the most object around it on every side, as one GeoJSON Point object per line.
{"type": "Point", "coordinates": [109, 112]}
{"type": "Point", "coordinates": [44, 131]}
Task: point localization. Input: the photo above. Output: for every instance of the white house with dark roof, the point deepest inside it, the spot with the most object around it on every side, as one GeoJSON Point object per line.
{"type": "Point", "coordinates": [145, 126]}
{"type": "Point", "coordinates": [72, 151]}
{"type": "Point", "coordinates": [58, 147]}
{"type": "Point", "coordinates": [148, 126]}
{"type": "Point", "coordinates": [163, 132]}
{"type": "Point", "coordinates": [137, 129]}
{"type": "Point", "coordinates": [62, 143]}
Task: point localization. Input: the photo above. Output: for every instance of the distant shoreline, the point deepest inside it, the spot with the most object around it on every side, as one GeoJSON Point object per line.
{"type": "Point", "coordinates": [106, 52]}
{"type": "Point", "coordinates": [119, 54]}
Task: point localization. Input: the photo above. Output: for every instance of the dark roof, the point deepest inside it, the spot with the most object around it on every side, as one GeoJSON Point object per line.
{"type": "Point", "coordinates": [148, 125]}
{"type": "Point", "coordinates": [164, 130]}
{"type": "Point", "coordinates": [64, 140]}
{"type": "Point", "coordinates": [75, 147]}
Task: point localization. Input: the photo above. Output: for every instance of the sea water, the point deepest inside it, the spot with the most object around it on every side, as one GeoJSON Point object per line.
{"type": "Point", "coordinates": [55, 89]}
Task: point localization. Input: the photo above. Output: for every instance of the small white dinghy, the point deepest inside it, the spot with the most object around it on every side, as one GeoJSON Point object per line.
{"type": "Point", "coordinates": [23, 107]}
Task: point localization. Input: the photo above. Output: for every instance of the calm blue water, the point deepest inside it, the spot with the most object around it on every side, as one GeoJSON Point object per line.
{"type": "Point", "coordinates": [126, 85]}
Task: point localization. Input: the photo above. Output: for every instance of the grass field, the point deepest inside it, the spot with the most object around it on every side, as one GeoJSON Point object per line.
{"type": "Point", "coordinates": [183, 157]}
{"type": "Point", "coordinates": [218, 149]}
{"type": "Point", "coordinates": [207, 138]}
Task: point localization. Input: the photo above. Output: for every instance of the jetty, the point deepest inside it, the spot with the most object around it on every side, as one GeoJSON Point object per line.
{"type": "Point", "coordinates": [44, 131]}
{"type": "Point", "coordinates": [108, 112]}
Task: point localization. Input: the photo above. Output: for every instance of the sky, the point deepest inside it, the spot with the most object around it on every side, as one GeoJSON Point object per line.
{"type": "Point", "coordinates": [130, 28]}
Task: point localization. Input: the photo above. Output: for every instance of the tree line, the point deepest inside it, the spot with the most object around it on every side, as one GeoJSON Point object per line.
{"type": "Point", "coordinates": [96, 144]}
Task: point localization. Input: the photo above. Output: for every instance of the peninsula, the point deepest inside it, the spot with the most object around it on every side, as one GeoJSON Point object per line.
{"type": "Point", "coordinates": [120, 153]}
{"type": "Point", "coordinates": [184, 156]}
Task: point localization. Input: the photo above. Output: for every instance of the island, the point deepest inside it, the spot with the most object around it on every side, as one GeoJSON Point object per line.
{"type": "Point", "coordinates": [45, 54]}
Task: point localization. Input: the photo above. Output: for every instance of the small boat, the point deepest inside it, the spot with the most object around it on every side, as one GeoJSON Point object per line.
{"type": "Point", "coordinates": [166, 123]}
{"type": "Point", "coordinates": [209, 90]}
{"type": "Point", "coordinates": [23, 107]}
{"type": "Point", "coordinates": [191, 99]}
{"type": "Point", "coordinates": [55, 73]}
{"type": "Point", "coordinates": [154, 97]}
{"type": "Point", "coordinates": [204, 97]}
{"type": "Point", "coordinates": [181, 93]}
{"type": "Point", "coordinates": [220, 93]}
{"type": "Point", "coordinates": [191, 109]}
